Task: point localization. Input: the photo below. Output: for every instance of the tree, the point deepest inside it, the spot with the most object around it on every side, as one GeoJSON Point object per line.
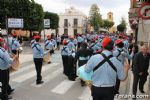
{"type": "Point", "coordinates": [35, 18]}
{"type": "Point", "coordinates": [54, 19]}
{"type": "Point", "coordinates": [108, 24]}
{"type": "Point", "coordinates": [4, 10]}
{"type": "Point", "coordinates": [31, 12]}
{"type": "Point", "coordinates": [122, 26]}
{"type": "Point", "coordinates": [95, 17]}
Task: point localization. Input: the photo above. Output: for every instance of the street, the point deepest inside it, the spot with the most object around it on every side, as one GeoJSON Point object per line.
{"type": "Point", "coordinates": [56, 85]}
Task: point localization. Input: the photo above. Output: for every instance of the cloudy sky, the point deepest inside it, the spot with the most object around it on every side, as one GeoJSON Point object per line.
{"type": "Point", "coordinates": [120, 8]}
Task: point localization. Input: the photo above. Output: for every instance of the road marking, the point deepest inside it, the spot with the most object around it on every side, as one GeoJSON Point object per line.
{"type": "Point", "coordinates": [48, 78]}
{"type": "Point", "coordinates": [63, 87]}
{"type": "Point", "coordinates": [31, 74]}
{"type": "Point", "coordinates": [86, 95]}
{"type": "Point", "coordinates": [22, 70]}
{"type": "Point", "coordinates": [22, 56]}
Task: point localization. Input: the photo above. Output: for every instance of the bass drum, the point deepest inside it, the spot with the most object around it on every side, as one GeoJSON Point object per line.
{"type": "Point", "coordinates": [16, 64]}
{"type": "Point", "coordinates": [46, 57]}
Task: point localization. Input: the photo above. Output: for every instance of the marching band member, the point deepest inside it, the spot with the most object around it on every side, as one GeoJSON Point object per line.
{"type": "Point", "coordinates": [58, 39]}
{"type": "Point", "coordinates": [120, 53]}
{"type": "Point", "coordinates": [48, 45]}
{"type": "Point", "coordinates": [106, 68]}
{"type": "Point", "coordinates": [15, 45]}
{"type": "Point", "coordinates": [65, 52]}
{"type": "Point", "coordinates": [38, 54]}
{"type": "Point", "coordinates": [71, 45]}
{"type": "Point", "coordinates": [80, 40]}
{"type": "Point", "coordinates": [82, 56]}
{"type": "Point", "coordinates": [75, 42]}
{"type": "Point", "coordinates": [5, 63]}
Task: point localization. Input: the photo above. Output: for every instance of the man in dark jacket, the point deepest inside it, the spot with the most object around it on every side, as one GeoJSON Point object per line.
{"type": "Point", "coordinates": [140, 69]}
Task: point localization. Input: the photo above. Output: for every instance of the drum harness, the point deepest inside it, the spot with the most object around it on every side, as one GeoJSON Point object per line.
{"type": "Point", "coordinates": [106, 59]}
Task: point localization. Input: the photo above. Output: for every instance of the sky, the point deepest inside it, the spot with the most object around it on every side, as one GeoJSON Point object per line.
{"type": "Point", "coordinates": [120, 8]}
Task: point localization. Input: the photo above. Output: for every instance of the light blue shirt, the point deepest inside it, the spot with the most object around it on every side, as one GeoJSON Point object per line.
{"type": "Point", "coordinates": [5, 60]}
{"type": "Point", "coordinates": [97, 46]}
{"type": "Point", "coordinates": [32, 41]}
{"type": "Point", "coordinates": [54, 42]}
{"type": "Point", "coordinates": [126, 44]}
{"type": "Point", "coordinates": [80, 39]}
{"type": "Point", "coordinates": [15, 44]}
{"type": "Point", "coordinates": [122, 55]}
{"type": "Point", "coordinates": [38, 51]}
{"type": "Point", "coordinates": [10, 40]}
{"type": "Point", "coordinates": [105, 75]}
{"type": "Point", "coordinates": [75, 41]}
{"type": "Point", "coordinates": [58, 39]}
{"type": "Point", "coordinates": [65, 51]}
{"type": "Point", "coordinates": [71, 46]}
{"type": "Point", "coordinates": [49, 45]}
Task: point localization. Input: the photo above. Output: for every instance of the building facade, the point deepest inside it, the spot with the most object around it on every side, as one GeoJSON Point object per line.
{"type": "Point", "coordinates": [72, 22]}
{"type": "Point", "coordinates": [110, 18]}
{"type": "Point", "coordinates": [139, 19]}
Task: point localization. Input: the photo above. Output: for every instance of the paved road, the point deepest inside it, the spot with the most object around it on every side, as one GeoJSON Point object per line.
{"type": "Point", "coordinates": [56, 86]}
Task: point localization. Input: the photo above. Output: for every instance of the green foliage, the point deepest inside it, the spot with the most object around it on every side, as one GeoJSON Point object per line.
{"type": "Point", "coordinates": [31, 12]}
{"type": "Point", "coordinates": [4, 10]}
{"type": "Point", "coordinates": [34, 22]}
{"type": "Point", "coordinates": [108, 24]}
{"type": "Point", "coordinates": [54, 19]}
{"type": "Point", "coordinates": [122, 26]}
{"type": "Point", "coordinates": [95, 17]}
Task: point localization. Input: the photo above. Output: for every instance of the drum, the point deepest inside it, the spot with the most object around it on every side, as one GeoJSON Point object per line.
{"type": "Point", "coordinates": [46, 57]}
{"type": "Point", "coordinates": [16, 64]}
{"type": "Point", "coordinates": [87, 77]}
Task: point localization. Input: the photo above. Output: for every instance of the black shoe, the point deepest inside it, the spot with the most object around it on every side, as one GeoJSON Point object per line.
{"type": "Point", "coordinates": [72, 79]}
{"type": "Point", "coordinates": [11, 91]}
{"type": "Point", "coordinates": [40, 82]}
{"type": "Point", "coordinates": [116, 92]}
{"type": "Point", "coordinates": [142, 91]}
{"type": "Point", "coordinates": [49, 62]}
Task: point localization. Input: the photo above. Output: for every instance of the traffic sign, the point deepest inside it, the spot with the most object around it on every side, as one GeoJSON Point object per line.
{"type": "Point", "coordinates": [15, 23]}
{"type": "Point", "coordinates": [144, 11]}
{"type": "Point", "coordinates": [46, 23]}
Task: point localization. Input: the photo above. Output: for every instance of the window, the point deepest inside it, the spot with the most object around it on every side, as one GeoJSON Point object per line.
{"type": "Point", "coordinates": [65, 31]}
{"type": "Point", "coordinates": [75, 31]}
{"type": "Point", "coordinates": [109, 16]}
{"type": "Point", "coordinates": [65, 22]}
{"type": "Point", "coordinates": [75, 22]}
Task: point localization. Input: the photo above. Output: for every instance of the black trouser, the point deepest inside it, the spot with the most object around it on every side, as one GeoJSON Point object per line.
{"type": "Point", "coordinates": [71, 68]}
{"type": "Point", "coordinates": [38, 66]}
{"type": "Point", "coordinates": [117, 86]}
{"type": "Point", "coordinates": [5, 81]}
{"type": "Point", "coordinates": [58, 45]}
{"type": "Point", "coordinates": [65, 65]}
{"type": "Point", "coordinates": [102, 93]}
{"type": "Point", "coordinates": [79, 44]}
{"type": "Point", "coordinates": [141, 79]}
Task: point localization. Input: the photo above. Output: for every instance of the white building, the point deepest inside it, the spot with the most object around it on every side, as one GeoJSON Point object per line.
{"type": "Point", "coordinates": [72, 22]}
